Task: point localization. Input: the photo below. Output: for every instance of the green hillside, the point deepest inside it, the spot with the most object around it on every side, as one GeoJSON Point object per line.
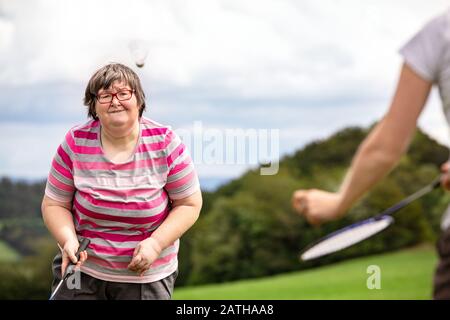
{"type": "Point", "coordinates": [7, 254]}
{"type": "Point", "coordinates": [405, 274]}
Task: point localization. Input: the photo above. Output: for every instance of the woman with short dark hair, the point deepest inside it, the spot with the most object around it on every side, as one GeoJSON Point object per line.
{"type": "Point", "coordinates": [127, 184]}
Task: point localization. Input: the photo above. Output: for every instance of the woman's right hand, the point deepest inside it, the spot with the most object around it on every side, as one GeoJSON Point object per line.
{"type": "Point", "coordinates": [68, 255]}
{"type": "Point", "coordinates": [317, 206]}
{"type": "Point", "coordinates": [445, 180]}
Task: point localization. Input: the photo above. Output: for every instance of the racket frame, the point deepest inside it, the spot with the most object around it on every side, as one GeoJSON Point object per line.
{"type": "Point", "coordinates": [383, 215]}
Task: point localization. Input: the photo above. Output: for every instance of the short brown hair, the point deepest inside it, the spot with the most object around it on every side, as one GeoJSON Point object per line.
{"type": "Point", "coordinates": [104, 77]}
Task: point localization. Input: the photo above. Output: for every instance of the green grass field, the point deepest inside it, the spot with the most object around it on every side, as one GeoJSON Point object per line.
{"type": "Point", "coordinates": [405, 274]}
{"type": "Point", "coordinates": [7, 254]}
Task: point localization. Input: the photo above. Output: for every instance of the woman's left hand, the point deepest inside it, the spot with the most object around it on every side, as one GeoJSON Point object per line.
{"type": "Point", "coordinates": [145, 253]}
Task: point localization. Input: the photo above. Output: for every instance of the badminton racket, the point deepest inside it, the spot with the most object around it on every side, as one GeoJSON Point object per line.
{"type": "Point", "coordinates": [359, 231]}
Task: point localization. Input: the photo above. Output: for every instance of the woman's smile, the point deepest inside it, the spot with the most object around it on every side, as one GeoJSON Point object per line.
{"type": "Point", "coordinates": [116, 111]}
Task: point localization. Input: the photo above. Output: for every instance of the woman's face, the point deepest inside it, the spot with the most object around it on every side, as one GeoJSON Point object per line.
{"type": "Point", "coordinates": [122, 111]}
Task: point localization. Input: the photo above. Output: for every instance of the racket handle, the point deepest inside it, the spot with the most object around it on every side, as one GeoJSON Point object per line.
{"type": "Point", "coordinates": [83, 245]}
{"type": "Point", "coordinates": [437, 182]}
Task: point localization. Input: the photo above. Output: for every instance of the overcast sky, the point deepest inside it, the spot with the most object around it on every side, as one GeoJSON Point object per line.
{"type": "Point", "coordinates": [306, 68]}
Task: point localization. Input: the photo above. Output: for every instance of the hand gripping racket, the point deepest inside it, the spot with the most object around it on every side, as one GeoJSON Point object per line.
{"type": "Point", "coordinates": [359, 231]}
{"type": "Point", "coordinates": [70, 268]}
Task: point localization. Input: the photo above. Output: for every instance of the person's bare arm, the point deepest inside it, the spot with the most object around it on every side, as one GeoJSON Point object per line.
{"type": "Point", "coordinates": [183, 215]}
{"type": "Point", "coordinates": [376, 156]}
{"type": "Point", "coordinates": [389, 140]}
{"type": "Point", "coordinates": [59, 221]}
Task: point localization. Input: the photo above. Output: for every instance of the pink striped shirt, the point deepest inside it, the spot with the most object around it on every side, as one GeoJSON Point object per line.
{"type": "Point", "coordinates": [117, 205]}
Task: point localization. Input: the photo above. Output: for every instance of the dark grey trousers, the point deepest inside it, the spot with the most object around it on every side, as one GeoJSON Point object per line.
{"type": "Point", "coordinates": [90, 288]}
{"type": "Point", "coordinates": [441, 290]}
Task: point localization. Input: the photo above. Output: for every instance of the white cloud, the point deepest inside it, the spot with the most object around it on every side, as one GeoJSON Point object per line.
{"type": "Point", "coordinates": [305, 67]}
{"type": "Point", "coordinates": [263, 48]}
{"type": "Point", "coordinates": [6, 34]}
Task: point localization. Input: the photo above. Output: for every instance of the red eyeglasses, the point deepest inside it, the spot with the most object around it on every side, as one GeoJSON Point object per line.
{"type": "Point", "coordinates": [121, 95]}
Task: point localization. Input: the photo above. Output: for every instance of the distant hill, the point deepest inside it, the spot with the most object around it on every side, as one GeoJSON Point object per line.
{"type": "Point", "coordinates": [19, 199]}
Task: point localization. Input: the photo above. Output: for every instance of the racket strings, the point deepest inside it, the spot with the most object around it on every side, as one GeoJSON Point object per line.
{"type": "Point", "coordinates": [357, 232]}
{"type": "Point", "coordinates": [347, 237]}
